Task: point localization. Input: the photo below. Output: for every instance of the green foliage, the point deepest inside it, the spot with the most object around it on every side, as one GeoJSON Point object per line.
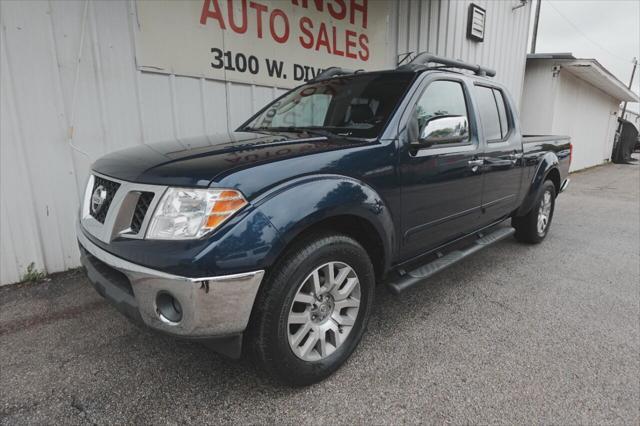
{"type": "Point", "coordinates": [33, 275]}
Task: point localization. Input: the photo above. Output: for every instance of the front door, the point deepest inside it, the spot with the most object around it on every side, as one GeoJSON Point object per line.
{"type": "Point", "coordinates": [502, 168]}
{"type": "Point", "coordinates": [442, 183]}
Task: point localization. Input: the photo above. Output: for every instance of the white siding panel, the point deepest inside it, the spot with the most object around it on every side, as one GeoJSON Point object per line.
{"type": "Point", "coordinates": [111, 105]}
{"type": "Point", "coordinates": [561, 103]}
{"type": "Point", "coordinates": [431, 26]}
{"type": "Point", "coordinates": [188, 106]}
{"type": "Point", "coordinates": [39, 108]}
{"type": "Point", "coordinates": [214, 94]}
{"type": "Point", "coordinates": [113, 46]}
{"type": "Point", "coordinates": [239, 103]}
{"type": "Point", "coordinates": [586, 114]}
{"type": "Point", "coordinates": [19, 230]}
{"type": "Point", "coordinates": [261, 96]}
{"type": "Point", "coordinates": [540, 94]}
{"type": "Point", "coordinates": [157, 107]}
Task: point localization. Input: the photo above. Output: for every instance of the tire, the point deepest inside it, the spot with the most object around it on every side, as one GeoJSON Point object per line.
{"type": "Point", "coordinates": [533, 227]}
{"type": "Point", "coordinates": [276, 329]}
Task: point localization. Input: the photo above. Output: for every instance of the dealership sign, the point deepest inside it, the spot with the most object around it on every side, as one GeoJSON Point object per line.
{"type": "Point", "coordinates": [268, 42]}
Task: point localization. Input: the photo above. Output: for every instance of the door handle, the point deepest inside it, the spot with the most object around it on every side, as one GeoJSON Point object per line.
{"type": "Point", "coordinates": [514, 157]}
{"type": "Point", "coordinates": [475, 164]}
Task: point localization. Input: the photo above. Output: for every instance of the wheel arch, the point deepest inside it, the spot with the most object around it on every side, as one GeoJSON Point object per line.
{"type": "Point", "coordinates": [356, 227]}
{"type": "Point", "coordinates": [332, 203]}
{"type": "Point", "coordinates": [554, 176]}
{"type": "Point", "coordinates": [548, 169]}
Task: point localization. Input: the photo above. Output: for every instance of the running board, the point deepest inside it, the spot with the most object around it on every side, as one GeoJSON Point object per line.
{"type": "Point", "coordinates": [418, 275]}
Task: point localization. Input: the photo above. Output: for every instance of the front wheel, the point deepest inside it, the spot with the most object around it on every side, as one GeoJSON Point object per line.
{"type": "Point", "coordinates": [534, 226]}
{"type": "Point", "coordinates": [313, 309]}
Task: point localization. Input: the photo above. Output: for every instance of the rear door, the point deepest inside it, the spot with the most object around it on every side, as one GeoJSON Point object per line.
{"type": "Point", "coordinates": [502, 168]}
{"type": "Point", "coordinates": [441, 186]}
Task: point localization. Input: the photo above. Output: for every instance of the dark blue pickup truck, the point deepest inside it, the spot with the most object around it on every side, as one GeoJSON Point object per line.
{"type": "Point", "coordinates": [270, 240]}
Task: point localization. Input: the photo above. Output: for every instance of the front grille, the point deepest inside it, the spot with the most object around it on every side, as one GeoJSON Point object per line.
{"type": "Point", "coordinates": [144, 201]}
{"type": "Point", "coordinates": [99, 212]}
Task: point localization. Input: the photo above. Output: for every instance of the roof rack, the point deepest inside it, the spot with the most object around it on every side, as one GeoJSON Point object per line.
{"type": "Point", "coordinates": [332, 72]}
{"type": "Point", "coordinates": [423, 59]}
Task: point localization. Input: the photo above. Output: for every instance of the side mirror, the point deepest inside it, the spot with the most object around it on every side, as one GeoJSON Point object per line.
{"type": "Point", "coordinates": [443, 129]}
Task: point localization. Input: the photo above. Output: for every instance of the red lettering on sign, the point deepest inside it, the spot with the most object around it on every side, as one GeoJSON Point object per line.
{"type": "Point", "coordinates": [362, 7]}
{"type": "Point", "coordinates": [215, 13]}
{"type": "Point", "coordinates": [342, 13]}
{"type": "Point", "coordinates": [305, 4]}
{"type": "Point", "coordinates": [306, 25]}
{"type": "Point", "coordinates": [330, 37]}
{"type": "Point", "coordinates": [336, 51]}
{"type": "Point", "coordinates": [364, 46]}
{"type": "Point", "coordinates": [272, 26]}
{"type": "Point", "coordinates": [260, 9]}
{"type": "Point", "coordinates": [350, 42]}
{"type": "Point", "coordinates": [232, 22]}
{"type": "Point", "coordinates": [323, 38]}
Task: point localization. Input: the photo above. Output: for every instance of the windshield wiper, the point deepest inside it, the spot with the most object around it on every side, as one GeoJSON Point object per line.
{"type": "Point", "coordinates": [314, 130]}
{"type": "Point", "coordinates": [291, 129]}
{"type": "Point", "coordinates": [335, 131]}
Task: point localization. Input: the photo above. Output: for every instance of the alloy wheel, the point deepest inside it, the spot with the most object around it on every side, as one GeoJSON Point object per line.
{"type": "Point", "coordinates": [324, 311]}
{"type": "Point", "coordinates": [544, 213]}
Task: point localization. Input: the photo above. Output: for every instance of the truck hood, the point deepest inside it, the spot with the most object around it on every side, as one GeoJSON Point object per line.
{"type": "Point", "coordinates": [197, 161]}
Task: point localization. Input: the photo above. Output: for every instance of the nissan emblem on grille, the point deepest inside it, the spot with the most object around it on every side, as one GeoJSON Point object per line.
{"type": "Point", "coordinates": [98, 198]}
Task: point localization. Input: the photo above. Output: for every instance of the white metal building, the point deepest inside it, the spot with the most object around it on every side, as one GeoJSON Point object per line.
{"type": "Point", "coordinates": [82, 78]}
{"type": "Point", "coordinates": [576, 97]}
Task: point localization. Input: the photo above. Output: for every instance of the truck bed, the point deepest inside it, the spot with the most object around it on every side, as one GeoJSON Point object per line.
{"type": "Point", "coordinates": [535, 147]}
{"type": "Point", "coordinates": [544, 138]}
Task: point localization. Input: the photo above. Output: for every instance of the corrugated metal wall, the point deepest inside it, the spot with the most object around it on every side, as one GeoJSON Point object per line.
{"type": "Point", "coordinates": [440, 27]}
{"type": "Point", "coordinates": [71, 64]}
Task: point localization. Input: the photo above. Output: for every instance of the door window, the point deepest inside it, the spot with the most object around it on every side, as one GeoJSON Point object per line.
{"type": "Point", "coordinates": [493, 113]}
{"type": "Point", "coordinates": [502, 112]}
{"type": "Point", "coordinates": [440, 98]}
{"type": "Point", "coordinates": [489, 113]}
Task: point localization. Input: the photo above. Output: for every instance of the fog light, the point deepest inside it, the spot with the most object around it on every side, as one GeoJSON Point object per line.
{"type": "Point", "coordinates": [169, 309]}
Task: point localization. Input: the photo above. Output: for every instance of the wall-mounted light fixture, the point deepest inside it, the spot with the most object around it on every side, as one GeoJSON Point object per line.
{"type": "Point", "coordinates": [476, 22]}
{"type": "Point", "coordinates": [523, 3]}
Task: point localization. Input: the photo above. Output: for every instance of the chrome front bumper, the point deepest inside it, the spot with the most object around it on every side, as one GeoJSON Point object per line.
{"type": "Point", "coordinates": [211, 306]}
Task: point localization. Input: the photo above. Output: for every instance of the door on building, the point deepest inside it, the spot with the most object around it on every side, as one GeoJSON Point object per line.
{"type": "Point", "coordinates": [612, 125]}
{"type": "Point", "coordinates": [441, 185]}
{"type": "Point", "coordinates": [502, 165]}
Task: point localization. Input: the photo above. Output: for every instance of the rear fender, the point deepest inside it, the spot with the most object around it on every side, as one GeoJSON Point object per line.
{"type": "Point", "coordinates": [301, 203]}
{"type": "Point", "coordinates": [549, 162]}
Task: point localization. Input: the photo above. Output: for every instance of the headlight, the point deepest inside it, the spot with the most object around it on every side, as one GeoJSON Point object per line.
{"type": "Point", "coordinates": [185, 213]}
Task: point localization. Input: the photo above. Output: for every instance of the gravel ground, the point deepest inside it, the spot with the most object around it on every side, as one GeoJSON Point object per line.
{"type": "Point", "coordinates": [516, 334]}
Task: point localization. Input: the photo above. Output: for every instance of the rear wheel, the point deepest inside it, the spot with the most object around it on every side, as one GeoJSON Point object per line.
{"type": "Point", "coordinates": [534, 226]}
{"type": "Point", "coordinates": [313, 309]}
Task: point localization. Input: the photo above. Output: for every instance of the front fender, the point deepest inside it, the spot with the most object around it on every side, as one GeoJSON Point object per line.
{"type": "Point", "coordinates": [549, 162]}
{"type": "Point", "coordinates": [301, 203]}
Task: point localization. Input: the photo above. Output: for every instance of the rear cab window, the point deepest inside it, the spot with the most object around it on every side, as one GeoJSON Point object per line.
{"type": "Point", "coordinates": [493, 113]}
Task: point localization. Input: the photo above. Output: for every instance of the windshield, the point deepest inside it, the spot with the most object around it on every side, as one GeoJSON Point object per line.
{"type": "Point", "coordinates": [356, 105]}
